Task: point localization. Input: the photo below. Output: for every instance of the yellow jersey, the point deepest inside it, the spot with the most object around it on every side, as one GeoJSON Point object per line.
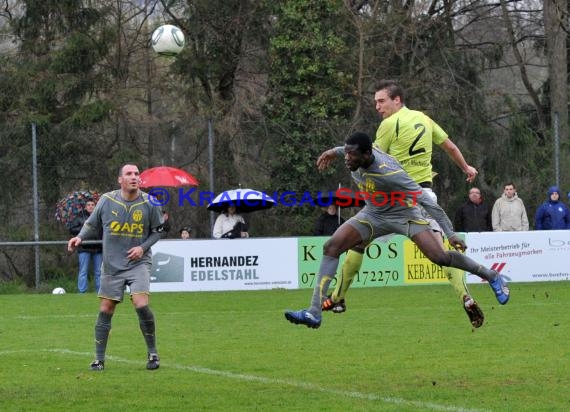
{"type": "Point", "coordinates": [409, 136]}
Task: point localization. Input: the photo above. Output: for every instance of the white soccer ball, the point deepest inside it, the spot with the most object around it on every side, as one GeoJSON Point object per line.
{"type": "Point", "coordinates": [167, 40]}
{"type": "Point", "coordinates": [58, 291]}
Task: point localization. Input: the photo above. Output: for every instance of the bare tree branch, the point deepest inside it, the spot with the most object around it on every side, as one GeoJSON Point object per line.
{"type": "Point", "coordinates": [522, 67]}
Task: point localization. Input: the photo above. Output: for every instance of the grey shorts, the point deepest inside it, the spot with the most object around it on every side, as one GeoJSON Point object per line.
{"type": "Point", "coordinates": [137, 279]}
{"type": "Point", "coordinates": [372, 226]}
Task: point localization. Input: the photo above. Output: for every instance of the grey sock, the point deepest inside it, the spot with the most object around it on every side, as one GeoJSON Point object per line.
{"type": "Point", "coordinates": [102, 329]}
{"type": "Point", "coordinates": [460, 261]}
{"type": "Point", "coordinates": [146, 322]}
{"type": "Point", "coordinates": [327, 271]}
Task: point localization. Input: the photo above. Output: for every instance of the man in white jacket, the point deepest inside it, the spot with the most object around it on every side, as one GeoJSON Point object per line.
{"type": "Point", "coordinates": [509, 213]}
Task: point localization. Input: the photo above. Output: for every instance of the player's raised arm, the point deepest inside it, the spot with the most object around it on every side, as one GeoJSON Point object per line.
{"type": "Point", "coordinates": [455, 154]}
{"type": "Point", "coordinates": [326, 159]}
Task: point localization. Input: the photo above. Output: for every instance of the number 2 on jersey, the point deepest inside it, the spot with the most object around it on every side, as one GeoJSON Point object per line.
{"type": "Point", "coordinates": [413, 151]}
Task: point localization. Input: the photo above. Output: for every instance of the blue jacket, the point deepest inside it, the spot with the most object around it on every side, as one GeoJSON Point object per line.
{"type": "Point", "coordinates": [552, 215]}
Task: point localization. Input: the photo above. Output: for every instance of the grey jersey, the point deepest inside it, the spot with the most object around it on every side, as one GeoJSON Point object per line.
{"type": "Point", "coordinates": [125, 224]}
{"type": "Point", "coordinates": [393, 192]}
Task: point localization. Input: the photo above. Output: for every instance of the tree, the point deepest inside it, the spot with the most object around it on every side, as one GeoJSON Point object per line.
{"type": "Point", "coordinates": [556, 34]}
{"type": "Point", "coordinates": [310, 92]}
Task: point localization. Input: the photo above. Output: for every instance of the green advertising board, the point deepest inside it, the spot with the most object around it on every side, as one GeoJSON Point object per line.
{"type": "Point", "coordinates": [393, 261]}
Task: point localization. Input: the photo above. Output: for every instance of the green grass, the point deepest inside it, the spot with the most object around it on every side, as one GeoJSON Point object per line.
{"type": "Point", "coordinates": [395, 349]}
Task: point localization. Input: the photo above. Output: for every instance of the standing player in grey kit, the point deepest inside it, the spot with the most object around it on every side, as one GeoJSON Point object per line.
{"type": "Point", "coordinates": [131, 225]}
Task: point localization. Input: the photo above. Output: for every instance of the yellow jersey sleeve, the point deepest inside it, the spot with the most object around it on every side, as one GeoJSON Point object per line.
{"type": "Point", "coordinates": [439, 135]}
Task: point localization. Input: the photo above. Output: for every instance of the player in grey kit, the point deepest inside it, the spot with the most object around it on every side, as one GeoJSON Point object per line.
{"type": "Point", "coordinates": [131, 225]}
{"type": "Point", "coordinates": [391, 208]}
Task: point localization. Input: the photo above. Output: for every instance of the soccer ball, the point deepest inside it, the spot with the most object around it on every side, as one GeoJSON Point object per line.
{"type": "Point", "coordinates": [58, 291]}
{"type": "Point", "coordinates": [167, 40]}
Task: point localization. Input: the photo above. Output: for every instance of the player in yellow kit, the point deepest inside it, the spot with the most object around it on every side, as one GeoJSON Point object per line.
{"type": "Point", "coordinates": [409, 136]}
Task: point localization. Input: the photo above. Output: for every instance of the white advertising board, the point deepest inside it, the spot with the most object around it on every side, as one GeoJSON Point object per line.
{"type": "Point", "coordinates": [522, 256]}
{"type": "Point", "coordinates": [224, 264]}
{"type": "Point", "coordinates": [270, 263]}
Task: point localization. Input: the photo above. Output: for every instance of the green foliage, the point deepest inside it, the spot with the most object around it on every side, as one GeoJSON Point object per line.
{"type": "Point", "coordinates": [14, 162]}
{"type": "Point", "coordinates": [307, 61]}
{"type": "Point", "coordinates": [18, 286]}
{"type": "Point", "coordinates": [215, 41]}
{"type": "Point", "coordinates": [13, 287]}
{"type": "Point", "coordinates": [51, 82]}
{"type": "Point", "coordinates": [310, 87]}
{"type": "Point", "coordinates": [88, 114]}
{"type": "Point", "coordinates": [64, 42]}
{"type": "Point", "coordinates": [12, 85]}
{"type": "Point", "coordinates": [78, 55]}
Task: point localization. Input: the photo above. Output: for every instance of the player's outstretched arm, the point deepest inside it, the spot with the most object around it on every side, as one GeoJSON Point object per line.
{"type": "Point", "coordinates": [326, 159]}
{"type": "Point", "coordinates": [457, 243]}
{"type": "Point", "coordinates": [455, 154]}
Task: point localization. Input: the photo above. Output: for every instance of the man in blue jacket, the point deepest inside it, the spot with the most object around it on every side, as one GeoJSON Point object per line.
{"type": "Point", "coordinates": [552, 214]}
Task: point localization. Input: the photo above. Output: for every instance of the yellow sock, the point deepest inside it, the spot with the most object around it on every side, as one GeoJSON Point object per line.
{"type": "Point", "coordinates": [349, 269]}
{"type": "Point", "coordinates": [457, 279]}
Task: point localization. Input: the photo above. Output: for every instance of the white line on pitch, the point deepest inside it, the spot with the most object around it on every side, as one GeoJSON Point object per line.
{"type": "Point", "coordinates": [273, 381]}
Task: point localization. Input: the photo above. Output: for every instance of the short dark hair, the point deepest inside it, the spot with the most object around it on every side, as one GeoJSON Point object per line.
{"type": "Point", "coordinates": [123, 165]}
{"type": "Point", "coordinates": [392, 87]}
{"type": "Point", "coordinates": [361, 140]}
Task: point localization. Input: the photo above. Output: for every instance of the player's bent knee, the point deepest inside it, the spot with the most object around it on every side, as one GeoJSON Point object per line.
{"type": "Point", "coordinates": [330, 248]}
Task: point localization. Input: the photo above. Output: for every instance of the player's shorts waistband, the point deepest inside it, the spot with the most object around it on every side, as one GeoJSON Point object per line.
{"type": "Point", "coordinates": [425, 184]}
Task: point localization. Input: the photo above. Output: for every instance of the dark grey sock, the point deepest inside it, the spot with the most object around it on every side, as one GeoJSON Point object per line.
{"type": "Point", "coordinates": [102, 329]}
{"type": "Point", "coordinates": [460, 261]}
{"type": "Point", "coordinates": [146, 322]}
{"type": "Point", "coordinates": [327, 272]}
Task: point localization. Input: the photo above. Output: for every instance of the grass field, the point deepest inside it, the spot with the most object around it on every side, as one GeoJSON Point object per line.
{"type": "Point", "coordinates": [395, 349]}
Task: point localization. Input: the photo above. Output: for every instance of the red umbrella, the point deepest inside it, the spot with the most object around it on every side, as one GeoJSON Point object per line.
{"type": "Point", "coordinates": [164, 176]}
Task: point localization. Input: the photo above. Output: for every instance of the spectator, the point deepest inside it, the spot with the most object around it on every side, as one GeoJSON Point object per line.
{"type": "Point", "coordinates": [87, 253]}
{"type": "Point", "coordinates": [509, 213]}
{"type": "Point", "coordinates": [166, 225]}
{"type": "Point", "coordinates": [328, 221]}
{"type": "Point", "coordinates": [229, 225]}
{"type": "Point", "coordinates": [185, 232]}
{"type": "Point", "coordinates": [474, 215]}
{"type": "Point", "coordinates": [552, 214]}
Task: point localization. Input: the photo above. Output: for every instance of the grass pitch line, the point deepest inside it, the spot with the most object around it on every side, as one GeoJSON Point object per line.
{"type": "Point", "coordinates": [275, 381]}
